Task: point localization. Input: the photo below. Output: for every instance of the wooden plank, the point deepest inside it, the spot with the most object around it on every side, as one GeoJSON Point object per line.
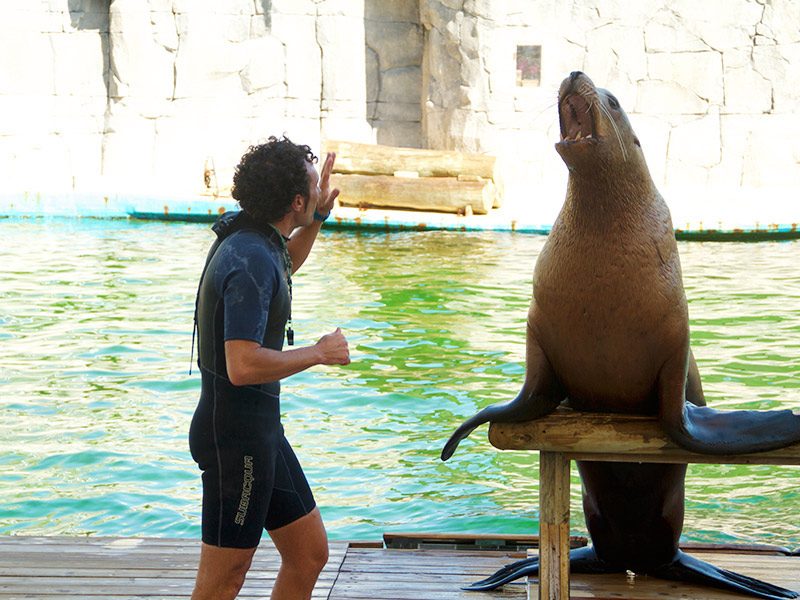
{"type": "Point", "coordinates": [375, 159]}
{"type": "Point", "coordinates": [440, 194]}
{"type": "Point", "coordinates": [126, 568]}
{"type": "Point", "coordinates": [122, 569]}
{"type": "Point", "coordinates": [387, 574]}
{"type": "Point", "coordinates": [554, 526]}
{"type": "Point", "coordinates": [614, 437]}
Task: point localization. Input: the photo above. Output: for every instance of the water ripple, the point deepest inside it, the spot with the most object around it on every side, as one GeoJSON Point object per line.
{"type": "Point", "coordinates": [96, 328]}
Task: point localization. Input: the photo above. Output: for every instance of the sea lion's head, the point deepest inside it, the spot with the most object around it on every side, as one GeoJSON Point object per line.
{"type": "Point", "coordinates": [596, 135]}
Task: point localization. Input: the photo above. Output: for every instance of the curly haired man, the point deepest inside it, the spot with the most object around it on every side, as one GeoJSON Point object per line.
{"type": "Point", "coordinates": [252, 479]}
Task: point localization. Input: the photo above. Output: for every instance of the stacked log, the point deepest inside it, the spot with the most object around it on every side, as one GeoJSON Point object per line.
{"type": "Point", "coordinates": [374, 176]}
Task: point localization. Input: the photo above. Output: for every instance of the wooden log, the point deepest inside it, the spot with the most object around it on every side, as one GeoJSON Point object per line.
{"type": "Point", "coordinates": [610, 437]}
{"type": "Point", "coordinates": [554, 527]}
{"type": "Point", "coordinates": [440, 194]}
{"type": "Point", "coordinates": [374, 159]}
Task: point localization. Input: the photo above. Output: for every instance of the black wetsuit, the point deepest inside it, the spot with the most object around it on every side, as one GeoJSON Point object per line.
{"type": "Point", "coordinates": [251, 478]}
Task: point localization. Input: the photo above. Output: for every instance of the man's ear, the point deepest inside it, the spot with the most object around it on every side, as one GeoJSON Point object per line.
{"type": "Point", "coordinates": [299, 203]}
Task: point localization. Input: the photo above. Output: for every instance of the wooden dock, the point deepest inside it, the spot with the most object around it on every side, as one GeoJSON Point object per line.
{"type": "Point", "coordinates": [72, 568]}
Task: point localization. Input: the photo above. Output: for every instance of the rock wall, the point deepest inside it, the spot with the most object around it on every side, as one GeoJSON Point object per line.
{"type": "Point", "coordinates": [53, 92]}
{"type": "Point", "coordinates": [394, 49]}
{"type": "Point", "coordinates": [712, 88]}
{"type": "Point", "coordinates": [144, 95]}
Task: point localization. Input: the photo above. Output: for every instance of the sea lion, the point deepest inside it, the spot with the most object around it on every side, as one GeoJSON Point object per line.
{"type": "Point", "coordinates": [608, 332]}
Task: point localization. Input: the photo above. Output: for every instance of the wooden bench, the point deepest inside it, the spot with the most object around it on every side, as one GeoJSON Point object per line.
{"type": "Point", "coordinates": [567, 435]}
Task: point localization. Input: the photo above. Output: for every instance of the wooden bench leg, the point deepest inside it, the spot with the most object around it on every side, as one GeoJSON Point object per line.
{"type": "Point", "coordinates": [554, 526]}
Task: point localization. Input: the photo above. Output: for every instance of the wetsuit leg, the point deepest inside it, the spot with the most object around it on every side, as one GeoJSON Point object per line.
{"type": "Point", "coordinates": [291, 495]}
{"type": "Point", "coordinates": [235, 440]}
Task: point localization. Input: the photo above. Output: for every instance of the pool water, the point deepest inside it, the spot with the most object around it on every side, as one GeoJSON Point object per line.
{"type": "Point", "coordinates": [95, 336]}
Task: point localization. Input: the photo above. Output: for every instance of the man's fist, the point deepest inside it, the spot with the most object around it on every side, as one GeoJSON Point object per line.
{"type": "Point", "coordinates": [333, 349]}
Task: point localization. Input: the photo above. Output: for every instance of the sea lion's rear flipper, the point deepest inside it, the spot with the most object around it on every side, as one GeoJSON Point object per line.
{"type": "Point", "coordinates": [684, 568]}
{"type": "Point", "coordinates": [581, 560]}
{"type": "Point", "coordinates": [691, 570]}
{"type": "Point", "coordinates": [540, 396]}
{"type": "Point", "coordinates": [708, 431]}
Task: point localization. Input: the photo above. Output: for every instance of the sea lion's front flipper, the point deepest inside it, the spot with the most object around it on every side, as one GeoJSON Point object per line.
{"type": "Point", "coordinates": [691, 570]}
{"type": "Point", "coordinates": [581, 560]}
{"type": "Point", "coordinates": [738, 431]}
{"type": "Point", "coordinates": [540, 396]}
{"type": "Point", "coordinates": [524, 407]}
{"type": "Point", "coordinates": [708, 431]}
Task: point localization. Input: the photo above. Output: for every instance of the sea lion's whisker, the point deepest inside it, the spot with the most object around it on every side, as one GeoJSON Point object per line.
{"type": "Point", "coordinates": [604, 110]}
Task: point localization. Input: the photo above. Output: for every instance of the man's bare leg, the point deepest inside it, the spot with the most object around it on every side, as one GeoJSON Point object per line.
{"type": "Point", "coordinates": [303, 546]}
{"type": "Point", "coordinates": [221, 573]}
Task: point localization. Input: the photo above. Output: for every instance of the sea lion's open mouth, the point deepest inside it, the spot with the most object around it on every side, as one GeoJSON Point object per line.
{"type": "Point", "coordinates": [577, 121]}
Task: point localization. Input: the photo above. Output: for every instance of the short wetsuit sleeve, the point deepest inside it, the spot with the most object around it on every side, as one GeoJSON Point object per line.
{"type": "Point", "coordinates": [246, 288]}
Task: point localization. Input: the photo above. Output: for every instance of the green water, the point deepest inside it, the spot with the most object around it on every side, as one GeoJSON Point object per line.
{"type": "Point", "coordinates": [95, 333]}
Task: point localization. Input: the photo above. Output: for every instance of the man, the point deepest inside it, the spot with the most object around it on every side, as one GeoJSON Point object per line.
{"type": "Point", "coordinates": [251, 478]}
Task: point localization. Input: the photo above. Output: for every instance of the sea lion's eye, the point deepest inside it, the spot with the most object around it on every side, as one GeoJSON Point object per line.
{"type": "Point", "coordinates": [612, 102]}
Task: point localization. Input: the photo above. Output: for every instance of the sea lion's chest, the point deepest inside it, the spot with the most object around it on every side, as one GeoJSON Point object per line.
{"type": "Point", "coordinates": [608, 307]}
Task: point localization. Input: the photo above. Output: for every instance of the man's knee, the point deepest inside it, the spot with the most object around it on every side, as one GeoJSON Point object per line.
{"type": "Point", "coordinates": [319, 557]}
{"type": "Point", "coordinates": [311, 561]}
{"type": "Point", "coordinates": [239, 572]}
{"type": "Point", "coordinates": [228, 587]}
{"type": "Point", "coordinates": [232, 581]}
{"type": "Point", "coordinates": [315, 559]}
{"type": "Point", "coordinates": [221, 574]}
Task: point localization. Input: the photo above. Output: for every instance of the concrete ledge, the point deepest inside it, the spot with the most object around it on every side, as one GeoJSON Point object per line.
{"type": "Point", "coordinates": [735, 215]}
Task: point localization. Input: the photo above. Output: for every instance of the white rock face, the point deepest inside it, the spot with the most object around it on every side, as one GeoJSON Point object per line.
{"type": "Point", "coordinates": [141, 95]}
{"type": "Point", "coordinates": [394, 48]}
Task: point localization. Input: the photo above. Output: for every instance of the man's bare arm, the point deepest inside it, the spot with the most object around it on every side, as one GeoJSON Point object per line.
{"type": "Point", "coordinates": [299, 245]}
{"type": "Point", "coordinates": [249, 363]}
{"type": "Point", "coordinates": [303, 238]}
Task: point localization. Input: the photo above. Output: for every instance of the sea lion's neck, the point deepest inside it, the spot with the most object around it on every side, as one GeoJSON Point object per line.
{"type": "Point", "coordinates": [597, 200]}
